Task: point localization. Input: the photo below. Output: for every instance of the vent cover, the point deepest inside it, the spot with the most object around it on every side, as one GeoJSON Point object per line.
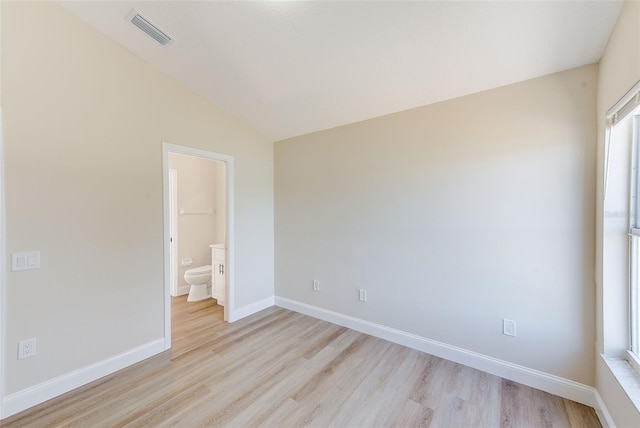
{"type": "Point", "coordinates": [150, 28]}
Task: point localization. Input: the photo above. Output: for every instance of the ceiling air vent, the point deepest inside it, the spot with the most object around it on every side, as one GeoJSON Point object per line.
{"type": "Point", "coordinates": [150, 28]}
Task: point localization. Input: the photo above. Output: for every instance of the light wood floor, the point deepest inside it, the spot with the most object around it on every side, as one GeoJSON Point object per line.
{"type": "Point", "coordinates": [278, 368]}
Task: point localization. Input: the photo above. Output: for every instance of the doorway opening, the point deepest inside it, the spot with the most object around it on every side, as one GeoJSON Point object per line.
{"type": "Point", "coordinates": [198, 229]}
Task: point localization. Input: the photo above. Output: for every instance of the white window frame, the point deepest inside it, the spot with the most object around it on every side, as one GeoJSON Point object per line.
{"type": "Point", "coordinates": [620, 256]}
{"type": "Point", "coordinates": [634, 247]}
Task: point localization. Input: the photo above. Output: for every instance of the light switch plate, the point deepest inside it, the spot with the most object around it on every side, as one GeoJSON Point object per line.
{"type": "Point", "coordinates": [25, 261]}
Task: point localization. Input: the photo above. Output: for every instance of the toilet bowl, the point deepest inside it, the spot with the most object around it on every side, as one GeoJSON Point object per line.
{"type": "Point", "coordinates": [198, 278]}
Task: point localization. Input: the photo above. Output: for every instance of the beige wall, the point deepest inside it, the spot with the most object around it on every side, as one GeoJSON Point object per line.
{"type": "Point", "coordinates": [3, 266]}
{"type": "Point", "coordinates": [619, 71]}
{"type": "Point", "coordinates": [454, 216]}
{"type": "Point", "coordinates": [84, 122]}
{"type": "Point", "coordinates": [198, 190]}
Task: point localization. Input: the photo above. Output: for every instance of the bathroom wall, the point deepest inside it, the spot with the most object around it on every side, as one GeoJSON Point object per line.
{"type": "Point", "coordinates": [199, 189]}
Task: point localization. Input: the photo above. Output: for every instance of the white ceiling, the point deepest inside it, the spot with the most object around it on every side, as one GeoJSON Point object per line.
{"type": "Point", "coordinates": [288, 68]}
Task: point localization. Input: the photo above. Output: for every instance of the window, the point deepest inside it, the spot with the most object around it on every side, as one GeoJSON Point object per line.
{"type": "Point", "coordinates": [622, 153]}
{"type": "Point", "coordinates": [620, 298]}
{"type": "Point", "coordinates": [634, 241]}
{"type": "Point", "coordinates": [621, 245]}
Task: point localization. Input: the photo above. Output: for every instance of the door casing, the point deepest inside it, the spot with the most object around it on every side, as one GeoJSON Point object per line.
{"type": "Point", "coordinates": [229, 306]}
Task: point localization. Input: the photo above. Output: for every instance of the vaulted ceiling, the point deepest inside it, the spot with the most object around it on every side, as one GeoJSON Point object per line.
{"type": "Point", "coordinates": [288, 68]}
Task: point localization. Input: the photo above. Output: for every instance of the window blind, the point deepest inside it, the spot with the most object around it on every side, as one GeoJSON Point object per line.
{"type": "Point", "coordinates": [626, 105]}
{"type": "Point", "coordinates": [619, 111]}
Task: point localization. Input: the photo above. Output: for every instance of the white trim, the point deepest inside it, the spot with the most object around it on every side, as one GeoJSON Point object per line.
{"type": "Point", "coordinates": [173, 230]}
{"type": "Point", "coordinates": [230, 261]}
{"type": "Point", "coordinates": [3, 274]}
{"type": "Point", "coordinates": [166, 238]}
{"type": "Point", "coordinates": [626, 376]}
{"type": "Point", "coordinates": [47, 390]}
{"type": "Point", "coordinates": [633, 361]}
{"type": "Point", "coordinates": [603, 413]}
{"type": "Point", "coordinates": [229, 306]}
{"type": "Point", "coordinates": [183, 289]}
{"type": "Point", "coordinates": [547, 382]}
{"type": "Point", "coordinates": [252, 308]}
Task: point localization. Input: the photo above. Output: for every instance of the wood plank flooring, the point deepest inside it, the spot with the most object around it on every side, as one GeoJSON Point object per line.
{"type": "Point", "coordinates": [278, 368]}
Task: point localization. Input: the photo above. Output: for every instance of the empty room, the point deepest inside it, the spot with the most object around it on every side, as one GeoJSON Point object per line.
{"type": "Point", "coordinates": [320, 213]}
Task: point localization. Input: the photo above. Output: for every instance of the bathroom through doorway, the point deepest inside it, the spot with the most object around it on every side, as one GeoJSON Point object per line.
{"type": "Point", "coordinates": [198, 195]}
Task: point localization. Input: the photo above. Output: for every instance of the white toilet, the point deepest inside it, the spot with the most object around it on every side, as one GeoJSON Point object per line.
{"type": "Point", "coordinates": [199, 279]}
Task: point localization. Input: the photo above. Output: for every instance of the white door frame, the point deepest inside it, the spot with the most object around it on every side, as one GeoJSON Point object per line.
{"type": "Point", "coordinates": [173, 230]}
{"type": "Point", "coordinates": [3, 273]}
{"type": "Point", "coordinates": [230, 305]}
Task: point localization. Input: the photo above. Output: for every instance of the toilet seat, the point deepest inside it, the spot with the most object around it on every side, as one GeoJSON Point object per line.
{"type": "Point", "coordinates": [198, 270]}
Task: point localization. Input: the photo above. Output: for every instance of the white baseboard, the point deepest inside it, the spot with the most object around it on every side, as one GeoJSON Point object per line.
{"type": "Point", "coordinates": [44, 391]}
{"type": "Point", "coordinates": [182, 290]}
{"type": "Point", "coordinates": [251, 309]}
{"type": "Point", "coordinates": [547, 382]}
{"type": "Point", "coordinates": [569, 389]}
{"type": "Point", "coordinates": [603, 413]}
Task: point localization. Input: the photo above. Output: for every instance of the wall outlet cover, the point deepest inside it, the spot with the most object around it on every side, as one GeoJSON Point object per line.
{"type": "Point", "coordinates": [27, 348]}
{"type": "Point", "coordinates": [509, 327]}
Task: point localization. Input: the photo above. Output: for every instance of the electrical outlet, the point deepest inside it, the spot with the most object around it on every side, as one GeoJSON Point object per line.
{"type": "Point", "coordinates": [509, 327]}
{"type": "Point", "coordinates": [363, 295]}
{"type": "Point", "coordinates": [316, 285]}
{"type": "Point", "coordinates": [27, 348]}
